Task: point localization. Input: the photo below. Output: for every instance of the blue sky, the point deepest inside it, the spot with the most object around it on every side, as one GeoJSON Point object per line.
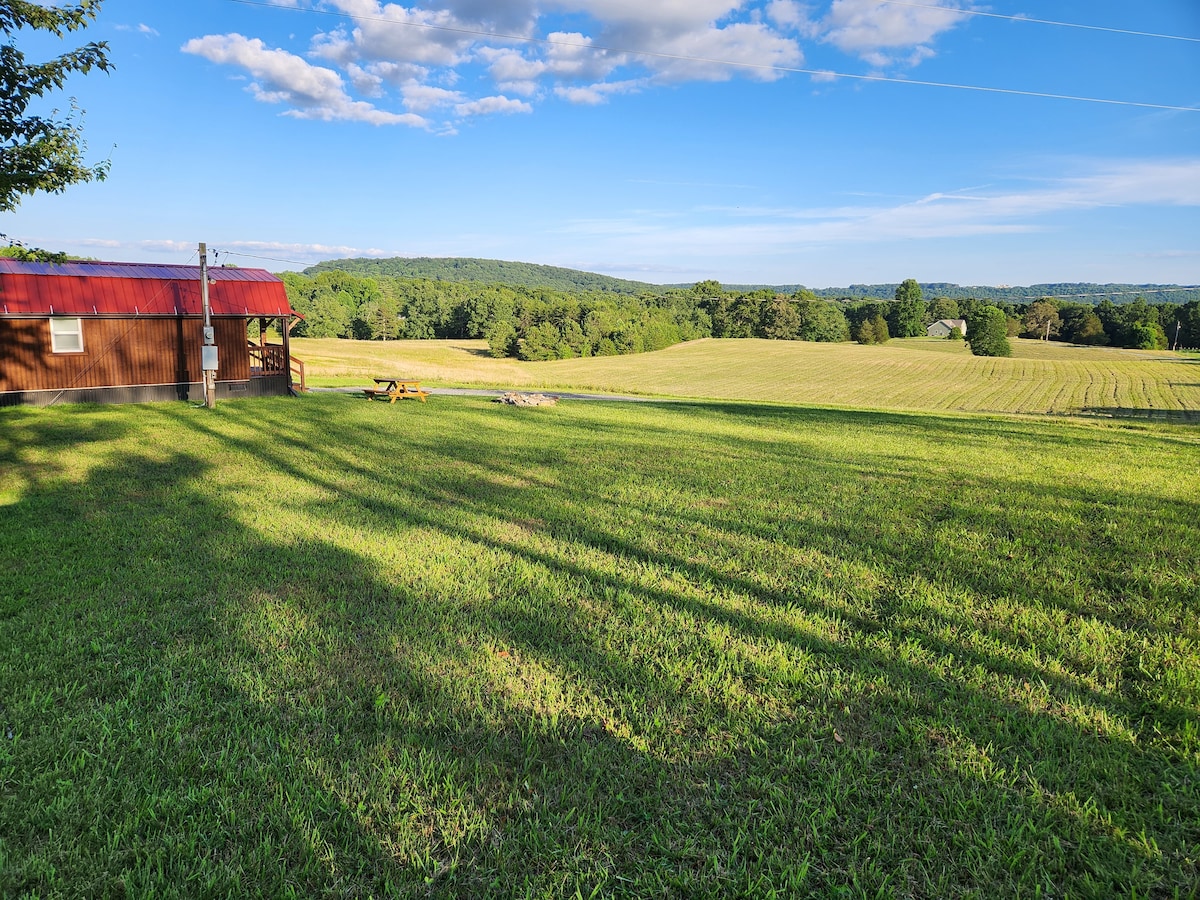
{"type": "Point", "coordinates": [663, 140]}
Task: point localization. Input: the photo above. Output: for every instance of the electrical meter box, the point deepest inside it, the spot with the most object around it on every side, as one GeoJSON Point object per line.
{"type": "Point", "coordinates": [209, 335]}
{"type": "Point", "coordinates": [208, 358]}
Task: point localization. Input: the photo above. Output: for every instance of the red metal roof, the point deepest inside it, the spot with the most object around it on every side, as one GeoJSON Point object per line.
{"type": "Point", "coordinates": [135, 289]}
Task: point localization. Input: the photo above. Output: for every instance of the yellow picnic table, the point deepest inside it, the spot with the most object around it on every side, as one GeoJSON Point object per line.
{"type": "Point", "coordinates": [395, 389]}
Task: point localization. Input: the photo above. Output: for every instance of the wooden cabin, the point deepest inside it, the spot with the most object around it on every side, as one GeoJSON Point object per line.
{"type": "Point", "coordinates": [131, 332]}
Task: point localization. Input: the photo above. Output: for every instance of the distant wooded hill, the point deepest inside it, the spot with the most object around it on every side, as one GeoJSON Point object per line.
{"type": "Point", "coordinates": [530, 275]}
{"type": "Point", "coordinates": [487, 271]}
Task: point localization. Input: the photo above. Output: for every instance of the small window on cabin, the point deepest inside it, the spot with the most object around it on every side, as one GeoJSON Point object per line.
{"type": "Point", "coordinates": [66, 335]}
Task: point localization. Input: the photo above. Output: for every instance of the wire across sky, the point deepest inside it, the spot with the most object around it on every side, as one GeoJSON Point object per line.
{"type": "Point", "coordinates": [770, 67]}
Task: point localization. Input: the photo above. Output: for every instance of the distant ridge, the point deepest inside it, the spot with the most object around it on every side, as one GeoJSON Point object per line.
{"type": "Point", "coordinates": [1081, 292]}
{"type": "Point", "coordinates": [487, 271]}
{"type": "Point", "coordinates": [532, 275]}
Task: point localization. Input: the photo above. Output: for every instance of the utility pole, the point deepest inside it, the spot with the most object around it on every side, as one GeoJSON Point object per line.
{"type": "Point", "coordinates": [1178, 325]}
{"type": "Point", "coordinates": [208, 352]}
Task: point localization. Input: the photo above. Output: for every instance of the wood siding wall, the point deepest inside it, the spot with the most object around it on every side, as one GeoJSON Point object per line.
{"type": "Point", "coordinates": [118, 352]}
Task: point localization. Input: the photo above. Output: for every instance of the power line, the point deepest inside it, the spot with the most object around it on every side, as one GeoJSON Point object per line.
{"type": "Point", "coordinates": [768, 67]}
{"type": "Point", "coordinates": [294, 262]}
{"type": "Point", "coordinates": [975, 12]}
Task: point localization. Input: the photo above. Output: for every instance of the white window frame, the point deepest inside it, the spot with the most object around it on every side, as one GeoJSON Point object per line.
{"type": "Point", "coordinates": [66, 334]}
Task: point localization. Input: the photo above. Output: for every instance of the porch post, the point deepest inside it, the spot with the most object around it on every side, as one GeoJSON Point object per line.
{"type": "Point", "coordinates": [287, 350]}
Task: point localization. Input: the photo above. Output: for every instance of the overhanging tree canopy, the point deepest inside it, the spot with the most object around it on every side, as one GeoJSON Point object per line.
{"type": "Point", "coordinates": [43, 153]}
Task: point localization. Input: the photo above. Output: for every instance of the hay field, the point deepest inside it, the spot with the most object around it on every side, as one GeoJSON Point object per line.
{"type": "Point", "coordinates": [913, 375]}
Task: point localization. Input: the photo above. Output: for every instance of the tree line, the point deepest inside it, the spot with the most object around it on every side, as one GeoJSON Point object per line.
{"type": "Point", "coordinates": [525, 322]}
{"type": "Point", "coordinates": [1014, 294]}
{"type": "Point", "coordinates": [1139, 325]}
{"type": "Point", "coordinates": [540, 323]}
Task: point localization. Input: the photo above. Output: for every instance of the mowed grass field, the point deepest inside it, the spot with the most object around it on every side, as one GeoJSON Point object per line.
{"type": "Point", "coordinates": [916, 374]}
{"type": "Point", "coordinates": [328, 647]}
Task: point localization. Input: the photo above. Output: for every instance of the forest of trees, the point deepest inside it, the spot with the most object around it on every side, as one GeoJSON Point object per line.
{"type": "Point", "coordinates": [538, 323]}
{"type": "Point", "coordinates": [486, 271]}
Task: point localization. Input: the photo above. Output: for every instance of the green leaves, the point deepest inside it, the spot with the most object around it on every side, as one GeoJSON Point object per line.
{"type": "Point", "coordinates": [43, 153]}
{"type": "Point", "coordinates": [987, 332]}
{"type": "Point", "coordinates": [906, 316]}
{"type": "Point", "coordinates": [15, 14]}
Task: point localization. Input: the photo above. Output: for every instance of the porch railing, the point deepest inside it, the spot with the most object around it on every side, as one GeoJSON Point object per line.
{"type": "Point", "coordinates": [267, 359]}
{"type": "Point", "coordinates": [297, 370]}
{"type": "Point", "coordinates": [270, 359]}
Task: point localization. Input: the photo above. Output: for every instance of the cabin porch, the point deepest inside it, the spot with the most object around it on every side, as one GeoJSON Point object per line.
{"type": "Point", "coordinates": [271, 360]}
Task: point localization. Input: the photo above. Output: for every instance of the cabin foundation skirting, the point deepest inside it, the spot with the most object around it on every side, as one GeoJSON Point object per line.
{"type": "Point", "coordinates": [265, 386]}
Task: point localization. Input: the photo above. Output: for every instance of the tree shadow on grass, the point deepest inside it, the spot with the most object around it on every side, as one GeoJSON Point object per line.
{"type": "Point", "coordinates": [440, 497]}
{"type": "Point", "coordinates": [30, 437]}
{"type": "Point", "coordinates": [478, 351]}
{"type": "Point", "coordinates": [952, 544]}
{"type": "Point", "coordinates": [1170, 416]}
{"type": "Point", "coordinates": [988, 532]}
{"type": "Point", "coordinates": [441, 679]}
{"type": "Point", "coordinates": [215, 711]}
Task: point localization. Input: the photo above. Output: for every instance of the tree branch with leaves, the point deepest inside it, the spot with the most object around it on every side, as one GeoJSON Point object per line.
{"type": "Point", "coordinates": [43, 153]}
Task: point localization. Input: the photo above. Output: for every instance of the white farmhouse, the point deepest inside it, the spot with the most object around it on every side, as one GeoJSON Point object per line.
{"type": "Point", "coordinates": [942, 327]}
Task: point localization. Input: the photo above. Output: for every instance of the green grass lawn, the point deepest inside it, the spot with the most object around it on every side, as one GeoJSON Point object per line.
{"type": "Point", "coordinates": [911, 375]}
{"type": "Point", "coordinates": [326, 647]}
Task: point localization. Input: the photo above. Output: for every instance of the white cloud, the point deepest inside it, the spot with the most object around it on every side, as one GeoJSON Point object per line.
{"type": "Point", "coordinates": [140, 29]}
{"type": "Point", "coordinates": [511, 70]}
{"type": "Point", "coordinates": [492, 105]}
{"type": "Point", "coordinates": [594, 94]}
{"type": "Point", "coordinates": [393, 33]}
{"type": "Point", "coordinates": [787, 14]}
{"type": "Point", "coordinates": [420, 52]}
{"type": "Point", "coordinates": [1169, 182]}
{"type": "Point", "coordinates": [278, 249]}
{"type": "Point", "coordinates": [571, 55]}
{"type": "Point", "coordinates": [158, 246]}
{"type": "Point", "coordinates": [713, 32]}
{"type": "Point", "coordinates": [1170, 254]}
{"type": "Point", "coordinates": [566, 57]}
{"type": "Point", "coordinates": [496, 15]}
{"type": "Point", "coordinates": [880, 33]}
{"type": "Point", "coordinates": [422, 97]}
{"type": "Point", "coordinates": [396, 74]}
{"type": "Point", "coordinates": [464, 57]}
{"type": "Point", "coordinates": [660, 15]}
{"type": "Point", "coordinates": [754, 48]}
{"type": "Point", "coordinates": [312, 251]}
{"type": "Point", "coordinates": [272, 255]}
{"type": "Point", "coordinates": [945, 214]}
{"type": "Point", "coordinates": [312, 92]}
{"type": "Point", "coordinates": [365, 82]}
